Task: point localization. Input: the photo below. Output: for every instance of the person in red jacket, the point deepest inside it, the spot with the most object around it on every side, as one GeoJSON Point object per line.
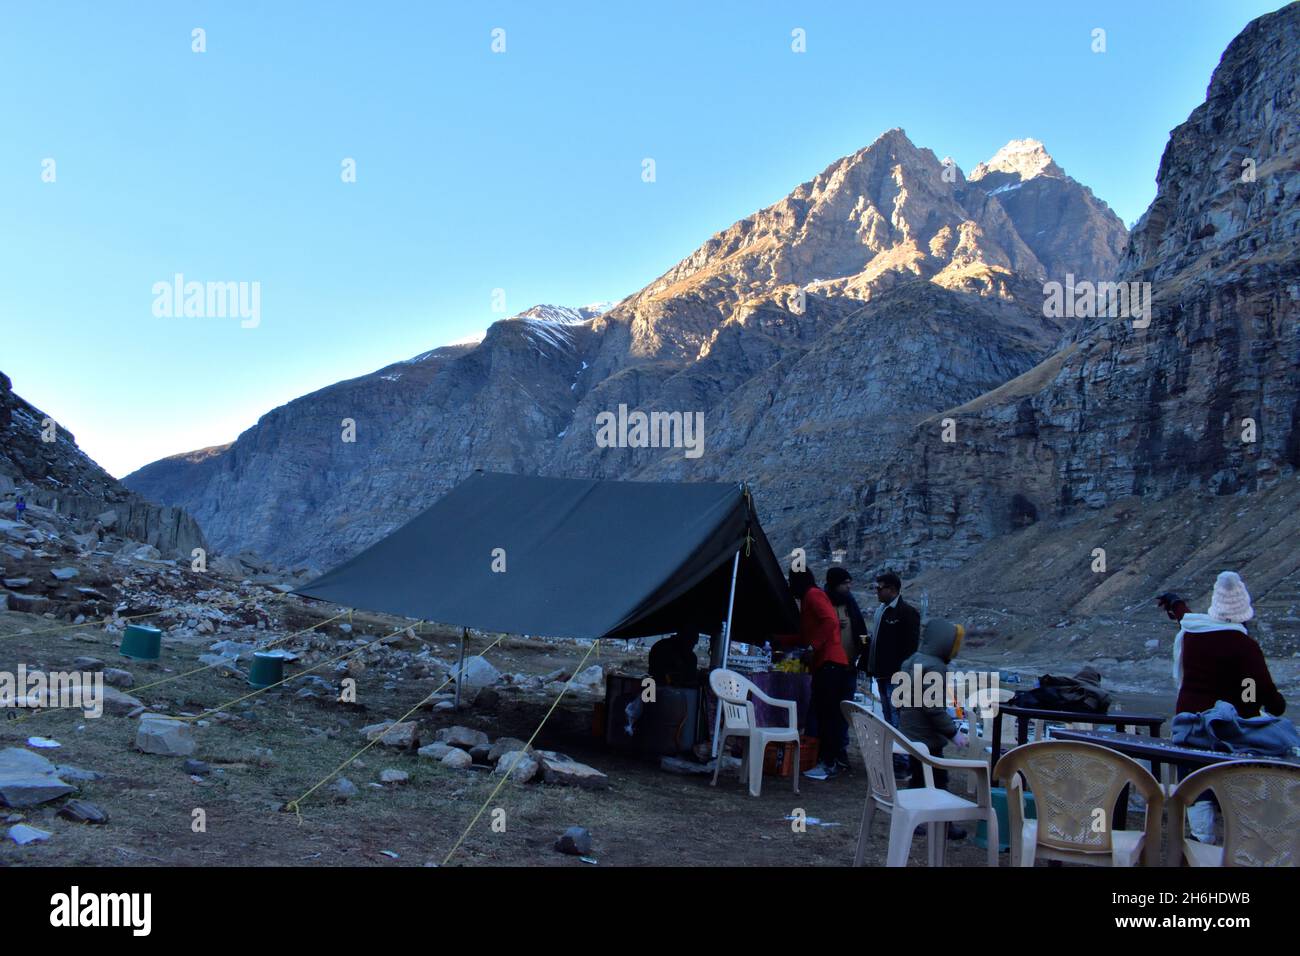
{"type": "Point", "coordinates": [833, 680]}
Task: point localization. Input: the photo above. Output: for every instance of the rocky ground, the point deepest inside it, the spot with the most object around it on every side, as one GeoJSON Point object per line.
{"type": "Point", "coordinates": [187, 733]}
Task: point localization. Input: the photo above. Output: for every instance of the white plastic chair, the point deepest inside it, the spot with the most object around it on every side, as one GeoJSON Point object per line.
{"type": "Point", "coordinates": [1260, 800]}
{"type": "Point", "coordinates": [733, 692]}
{"type": "Point", "coordinates": [1076, 787]}
{"type": "Point", "coordinates": [909, 808]}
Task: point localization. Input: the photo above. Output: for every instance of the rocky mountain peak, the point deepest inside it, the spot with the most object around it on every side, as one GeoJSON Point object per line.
{"type": "Point", "coordinates": [1182, 424]}
{"type": "Point", "coordinates": [1021, 159]}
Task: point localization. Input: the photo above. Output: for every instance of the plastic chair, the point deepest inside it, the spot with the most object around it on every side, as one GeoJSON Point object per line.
{"type": "Point", "coordinates": [733, 692]}
{"type": "Point", "coordinates": [1076, 786]}
{"type": "Point", "coordinates": [909, 808]}
{"type": "Point", "coordinates": [1260, 801]}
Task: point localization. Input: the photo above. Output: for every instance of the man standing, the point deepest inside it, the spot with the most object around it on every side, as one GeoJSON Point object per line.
{"type": "Point", "coordinates": [895, 636]}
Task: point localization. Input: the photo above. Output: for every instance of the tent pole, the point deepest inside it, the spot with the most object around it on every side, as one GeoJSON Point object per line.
{"type": "Point", "coordinates": [726, 646]}
{"type": "Point", "coordinates": [460, 668]}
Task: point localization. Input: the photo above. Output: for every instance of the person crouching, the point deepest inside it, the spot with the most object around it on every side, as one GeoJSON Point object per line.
{"type": "Point", "coordinates": [931, 725]}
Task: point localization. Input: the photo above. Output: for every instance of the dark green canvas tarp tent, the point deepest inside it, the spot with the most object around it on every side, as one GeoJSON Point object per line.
{"type": "Point", "coordinates": [581, 557]}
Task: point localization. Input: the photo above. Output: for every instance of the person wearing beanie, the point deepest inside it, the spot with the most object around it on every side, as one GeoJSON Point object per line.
{"type": "Point", "coordinates": [925, 720]}
{"type": "Point", "coordinates": [1216, 659]}
{"type": "Point", "coordinates": [853, 626]}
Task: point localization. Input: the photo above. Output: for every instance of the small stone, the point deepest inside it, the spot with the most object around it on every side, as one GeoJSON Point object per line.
{"type": "Point", "coordinates": [575, 841]}
{"type": "Point", "coordinates": [22, 834]}
{"type": "Point", "coordinates": [480, 753]}
{"type": "Point", "coordinates": [457, 759]}
{"type": "Point", "coordinates": [394, 776]}
{"type": "Point", "coordinates": [17, 582]}
{"type": "Point", "coordinates": [77, 774]}
{"type": "Point", "coordinates": [83, 811]}
{"type": "Point", "coordinates": [91, 664]}
{"type": "Point", "coordinates": [345, 788]}
{"type": "Point", "coordinates": [64, 574]}
{"type": "Point", "coordinates": [196, 768]}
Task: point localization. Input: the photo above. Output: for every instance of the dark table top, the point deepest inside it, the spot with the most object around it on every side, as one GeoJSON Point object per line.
{"type": "Point", "coordinates": [1074, 716]}
{"type": "Point", "coordinates": [1156, 748]}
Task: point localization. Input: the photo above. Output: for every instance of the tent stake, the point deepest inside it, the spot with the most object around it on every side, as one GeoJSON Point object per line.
{"type": "Point", "coordinates": [726, 647]}
{"type": "Point", "coordinates": [460, 669]}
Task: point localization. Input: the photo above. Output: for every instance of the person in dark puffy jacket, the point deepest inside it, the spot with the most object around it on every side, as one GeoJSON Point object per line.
{"type": "Point", "coordinates": [923, 715]}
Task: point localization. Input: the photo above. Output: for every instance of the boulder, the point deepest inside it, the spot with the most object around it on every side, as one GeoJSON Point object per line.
{"type": "Point", "coordinates": [90, 664]}
{"type": "Point", "coordinates": [520, 765]}
{"type": "Point", "coordinates": [480, 753]}
{"type": "Point", "coordinates": [403, 736]}
{"type": "Point", "coordinates": [164, 735]}
{"type": "Point", "coordinates": [590, 678]}
{"type": "Point", "coordinates": [28, 779]}
{"type": "Point", "coordinates": [116, 677]}
{"type": "Point", "coordinates": [83, 811]}
{"type": "Point", "coordinates": [119, 704]}
{"type": "Point", "coordinates": [463, 737]}
{"type": "Point", "coordinates": [107, 520]}
{"type": "Point", "coordinates": [17, 582]}
{"type": "Point", "coordinates": [28, 603]}
{"type": "Point", "coordinates": [435, 751]}
{"type": "Point", "coordinates": [457, 759]}
{"type": "Point", "coordinates": [505, 745]}
{"type": "Point", "coordinates": [558, 768]}
{"type": "Point", "coordinates": [477, 672]}
{"type": "Point", "coordinates": [86, 541]}
{"type": "Point", "coordinates": [64, 574]}
{"type": "Point", "coordinates": [575, 841]}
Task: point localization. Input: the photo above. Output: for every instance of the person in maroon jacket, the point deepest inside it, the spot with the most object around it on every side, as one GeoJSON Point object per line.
{"type": "Point", "coordinates": [832, 678]}
{"type": "Point", "coordinates": [1216, 659]}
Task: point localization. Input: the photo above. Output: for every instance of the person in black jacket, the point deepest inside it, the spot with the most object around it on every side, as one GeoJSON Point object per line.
{"type": "Point", "coordinates": [895, 636]}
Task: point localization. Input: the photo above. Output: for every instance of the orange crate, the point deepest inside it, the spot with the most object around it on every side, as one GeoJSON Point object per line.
{"type": "Point", "coordinates": [778, 759]}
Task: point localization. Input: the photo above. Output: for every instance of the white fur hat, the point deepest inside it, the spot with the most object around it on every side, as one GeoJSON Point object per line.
{"type": "Point", "coordinates": [1231, 600]}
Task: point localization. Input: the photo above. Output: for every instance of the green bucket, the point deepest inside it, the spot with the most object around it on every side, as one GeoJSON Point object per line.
{"type": "Point", "coordinates": [141, 642]}
{"type": "Point", "coordinates": [267, 669]}
{"type": "Point", "coordinates": [999, 795]}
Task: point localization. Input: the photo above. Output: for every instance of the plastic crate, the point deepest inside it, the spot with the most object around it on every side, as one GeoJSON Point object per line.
{"type": "Point", "coordinates": [778, 759]}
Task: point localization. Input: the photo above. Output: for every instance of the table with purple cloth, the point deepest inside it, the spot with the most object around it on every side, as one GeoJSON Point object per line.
{"type": "Point", "coordinates": [783, 686]}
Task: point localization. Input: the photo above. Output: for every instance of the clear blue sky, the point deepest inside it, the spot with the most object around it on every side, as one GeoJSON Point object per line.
{"type": "Point", "coordinates": [476, 170]}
